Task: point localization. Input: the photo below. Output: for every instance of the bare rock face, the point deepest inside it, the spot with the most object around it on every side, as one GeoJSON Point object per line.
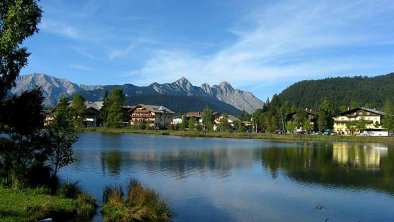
{"type": "Point", "coordinates": [55, 88]}
{"type": "Point", "coordinates": [240, 99]}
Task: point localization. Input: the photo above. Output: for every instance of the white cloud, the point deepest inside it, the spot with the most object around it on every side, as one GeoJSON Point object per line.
{"type": "Point", "coordinates": [80, 67]}
{"type": "Point", "coordinates": [121, 52]}
{"type": "Point", "coordinates": [61, 29]}
{"type": "Point", "coordinates": [283, 41]}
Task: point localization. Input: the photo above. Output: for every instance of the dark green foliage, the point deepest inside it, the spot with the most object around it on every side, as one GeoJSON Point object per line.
{"type": "Point", "coordinates": [184, 104]}
{"type": "Point", "coordinates": [113, 108]}
{"type": "Point", "coordinates": [342, 91]}
{"type": "Point", "coordinates": [245, 116]}
{"type": "Point", "coordinates": [271, 117]}
{"type": "Point", "coordinates": [139, 204]}
{"type": "Point", "coordinates": [388, 119]}
{"type": "Point", "coordinates": [70, 190]}
{"type": "Point", "coordinates": [325, 112]}
{"type": "Point", "coordinates": [62, 136]}
{"type": "Point", "coordinates": [183, 125]}
{"type": "Point", "coordinates": [78, 108]}
{"type": "Point", "coordinates": [224, 125]}
{"type": "Point", "coordinates": [18, 21]}
{"type": "Point", "coordinates": [28, 145]}
{"type": "Point", "coordinates": [192, 123]}
{"type": "Point", "coordinates": [86, 205]}
{"type": "Point", "coordinates": [207, 119]}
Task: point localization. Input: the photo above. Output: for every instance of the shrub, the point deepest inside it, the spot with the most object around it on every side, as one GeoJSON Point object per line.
{"type": "Point", "coordinates": [86, 205]}
{"type": "Point", "coordinates": [140, 204]}
{"type": "Point", "coordinates": [70, 189]}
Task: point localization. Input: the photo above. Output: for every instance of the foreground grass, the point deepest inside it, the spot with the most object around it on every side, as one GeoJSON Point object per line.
{"type": "Point", "coordinates": [237, 135]}
{"type": "Point", "coordinates": [36, 204]}
{"type": "Point", "coordinates": [33, 205]}
{"type": "Point", "coordinates": [139, 204]}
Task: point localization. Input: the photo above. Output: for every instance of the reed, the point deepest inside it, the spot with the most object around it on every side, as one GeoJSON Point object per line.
{"type": "Point", "coordinates": [139, 204]}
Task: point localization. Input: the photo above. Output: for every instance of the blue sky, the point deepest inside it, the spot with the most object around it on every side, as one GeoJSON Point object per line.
{"type": "Point", "coordinates": [257, 46]}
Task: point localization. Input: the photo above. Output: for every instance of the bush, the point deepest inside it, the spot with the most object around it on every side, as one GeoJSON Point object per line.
{"type": "Point", "coordinates": [86, 205]}
{"type": "Point", "coordinates": [70, 190]}
{"type": "Point", "coordinates": [140, 204]}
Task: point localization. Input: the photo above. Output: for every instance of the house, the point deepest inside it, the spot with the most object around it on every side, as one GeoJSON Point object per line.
{"type": "Point", "coordinates": [158, 117]}
{"type": "Point", "coordinates": [371, 117]}
{"type": "Point", "coordinates": [92, 117]}
{"type": "Point", "coordinates": [230, 119]}
{"type": "Point", "coordinates": [197, 116]}
{"type": "Point", "coordinates": [300, 127]}
{"type": "Point", "coordinates": [176, 120]}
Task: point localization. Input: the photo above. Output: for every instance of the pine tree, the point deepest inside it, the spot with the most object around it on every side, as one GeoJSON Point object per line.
{"type": "Point", "coordinates": [114, 111]}
{"type": "Point", "coordinates": [78, 108]}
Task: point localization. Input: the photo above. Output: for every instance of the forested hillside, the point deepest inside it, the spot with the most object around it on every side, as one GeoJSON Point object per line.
{"type": "Point", "coordinates": [183, 104]}
{"type": "Point", "coordinates": [342, 91]}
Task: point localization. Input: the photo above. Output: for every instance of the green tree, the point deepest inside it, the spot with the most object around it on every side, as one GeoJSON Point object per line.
{"type": "Point", "coordinates": [245, 116]}
{"type": "Point", "coordinates": [114, 111]}
{"type": "Point", "coordinates": [78, 108]}
{"type": "Point", "coordinates": [240, 127]}
{"type": "Point", "coordinates": [62, 136]}
{"type": "Point", "coordinates": [28, 144]}
{"type": "Point", "coordinates": [292, 125]}
{"type": "Point", "coordinates": [192, 123]}
{"type": "Point", "coordinates": [183, 124]}
{"type": "Point", "coordinates": [325, 112]}
{"type": "Point", "coordinates": [18, 21]}
{"type": "Point", "coordinates": [224, 125]}
{"type": "Point", "coordinates": [207, 119]}
{"type": "Point", "coordinates": [388, 118]}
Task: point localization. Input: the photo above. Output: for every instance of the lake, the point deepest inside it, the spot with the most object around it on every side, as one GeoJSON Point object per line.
{"type": "Point", "coordinates": [212, 179]}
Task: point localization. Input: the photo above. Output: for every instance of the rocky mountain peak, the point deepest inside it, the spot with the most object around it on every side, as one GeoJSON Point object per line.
{"type": "Point", "coordinates": [183, 83]}
{"type": "Point", "coordinates": [226, 87]}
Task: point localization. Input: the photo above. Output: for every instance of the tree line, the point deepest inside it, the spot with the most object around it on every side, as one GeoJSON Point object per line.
{"type": "Point", "coordinates": [277, 115]}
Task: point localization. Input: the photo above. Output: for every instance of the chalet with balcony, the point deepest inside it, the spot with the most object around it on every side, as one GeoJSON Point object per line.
{"type": "Point", "coordinates": [92, 117]}
{"type": "Point", "coordinates": [371, 117]}
{"type": "Point", "coordinates": [158, 117]}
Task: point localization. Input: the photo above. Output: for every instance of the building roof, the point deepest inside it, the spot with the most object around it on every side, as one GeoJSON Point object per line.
{"type": "Point", "coordinates": [95, 105]}
{"type": "Point", "coordinates": [194, 114]}
{"type": "Point", "coordinates": [351, 111]}
{"type": "Point", "coordinates": [233, 118]}
{"type": "Point", "coordinates": [153, 108]}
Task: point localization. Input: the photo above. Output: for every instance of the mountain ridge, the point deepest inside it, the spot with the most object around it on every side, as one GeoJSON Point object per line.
{"type": "Point", "coordinates": [342, 91]}
{"type": "Point", "coordinates": [53, 88]}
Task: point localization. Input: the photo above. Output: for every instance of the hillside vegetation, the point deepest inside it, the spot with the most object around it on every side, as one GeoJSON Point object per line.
{"type": "Point", "coordinates": [371, 92]}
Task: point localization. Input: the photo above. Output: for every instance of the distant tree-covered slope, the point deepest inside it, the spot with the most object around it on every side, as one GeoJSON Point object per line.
{"type": "Point", "coordinates": [342, 91]}
{"type": "Point", "coordinates": [183, 104]}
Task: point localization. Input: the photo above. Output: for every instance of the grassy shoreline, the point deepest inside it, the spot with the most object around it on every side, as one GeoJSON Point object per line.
{"type": "Point", "coordinates": [33, 205]}
{"type": "Point", "coordinates": [237, 135]}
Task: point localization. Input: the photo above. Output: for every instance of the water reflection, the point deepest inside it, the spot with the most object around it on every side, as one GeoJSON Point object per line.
{"type": "Point", "coordinates": [223, 179]}
{"type": "Point", "coordinates": [180, 163]}
{"type": "Point", "coordinates": [369, 166]}
{"type": "Point", "coordinates": [111, 160]}
{"type": "Point", "coordinates": [366, 156]}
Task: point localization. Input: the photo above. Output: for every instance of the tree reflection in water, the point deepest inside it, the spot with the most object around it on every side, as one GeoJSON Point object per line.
{"type": "Point", "coordinates": [111, 160]}
{"type": "Point", "coordinates": [353, 166]}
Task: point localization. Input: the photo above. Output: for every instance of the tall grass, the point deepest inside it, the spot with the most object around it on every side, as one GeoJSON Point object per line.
{"type": "Point", "coordinates": [139, 204]}
{"type": "Point", "coordinates": [86, 204]}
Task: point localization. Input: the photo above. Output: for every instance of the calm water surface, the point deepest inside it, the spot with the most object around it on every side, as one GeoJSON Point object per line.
{"type": "Point", "coordinates": [206, 179]}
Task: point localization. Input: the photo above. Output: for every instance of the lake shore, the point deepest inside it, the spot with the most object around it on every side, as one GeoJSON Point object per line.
{"type": "Point", "coordinates": [237, 135]}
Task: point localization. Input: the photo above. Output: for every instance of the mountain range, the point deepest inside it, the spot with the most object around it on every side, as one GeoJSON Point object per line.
{"type": "Point", "coordinates": [181, 95]}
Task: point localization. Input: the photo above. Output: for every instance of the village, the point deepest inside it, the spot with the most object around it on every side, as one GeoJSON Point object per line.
{"type": "Point", "coordinates": [357, 121]}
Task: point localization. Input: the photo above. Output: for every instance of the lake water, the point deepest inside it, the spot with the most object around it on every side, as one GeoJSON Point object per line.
{"type": "Point", "coordinates": [209, 179]}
